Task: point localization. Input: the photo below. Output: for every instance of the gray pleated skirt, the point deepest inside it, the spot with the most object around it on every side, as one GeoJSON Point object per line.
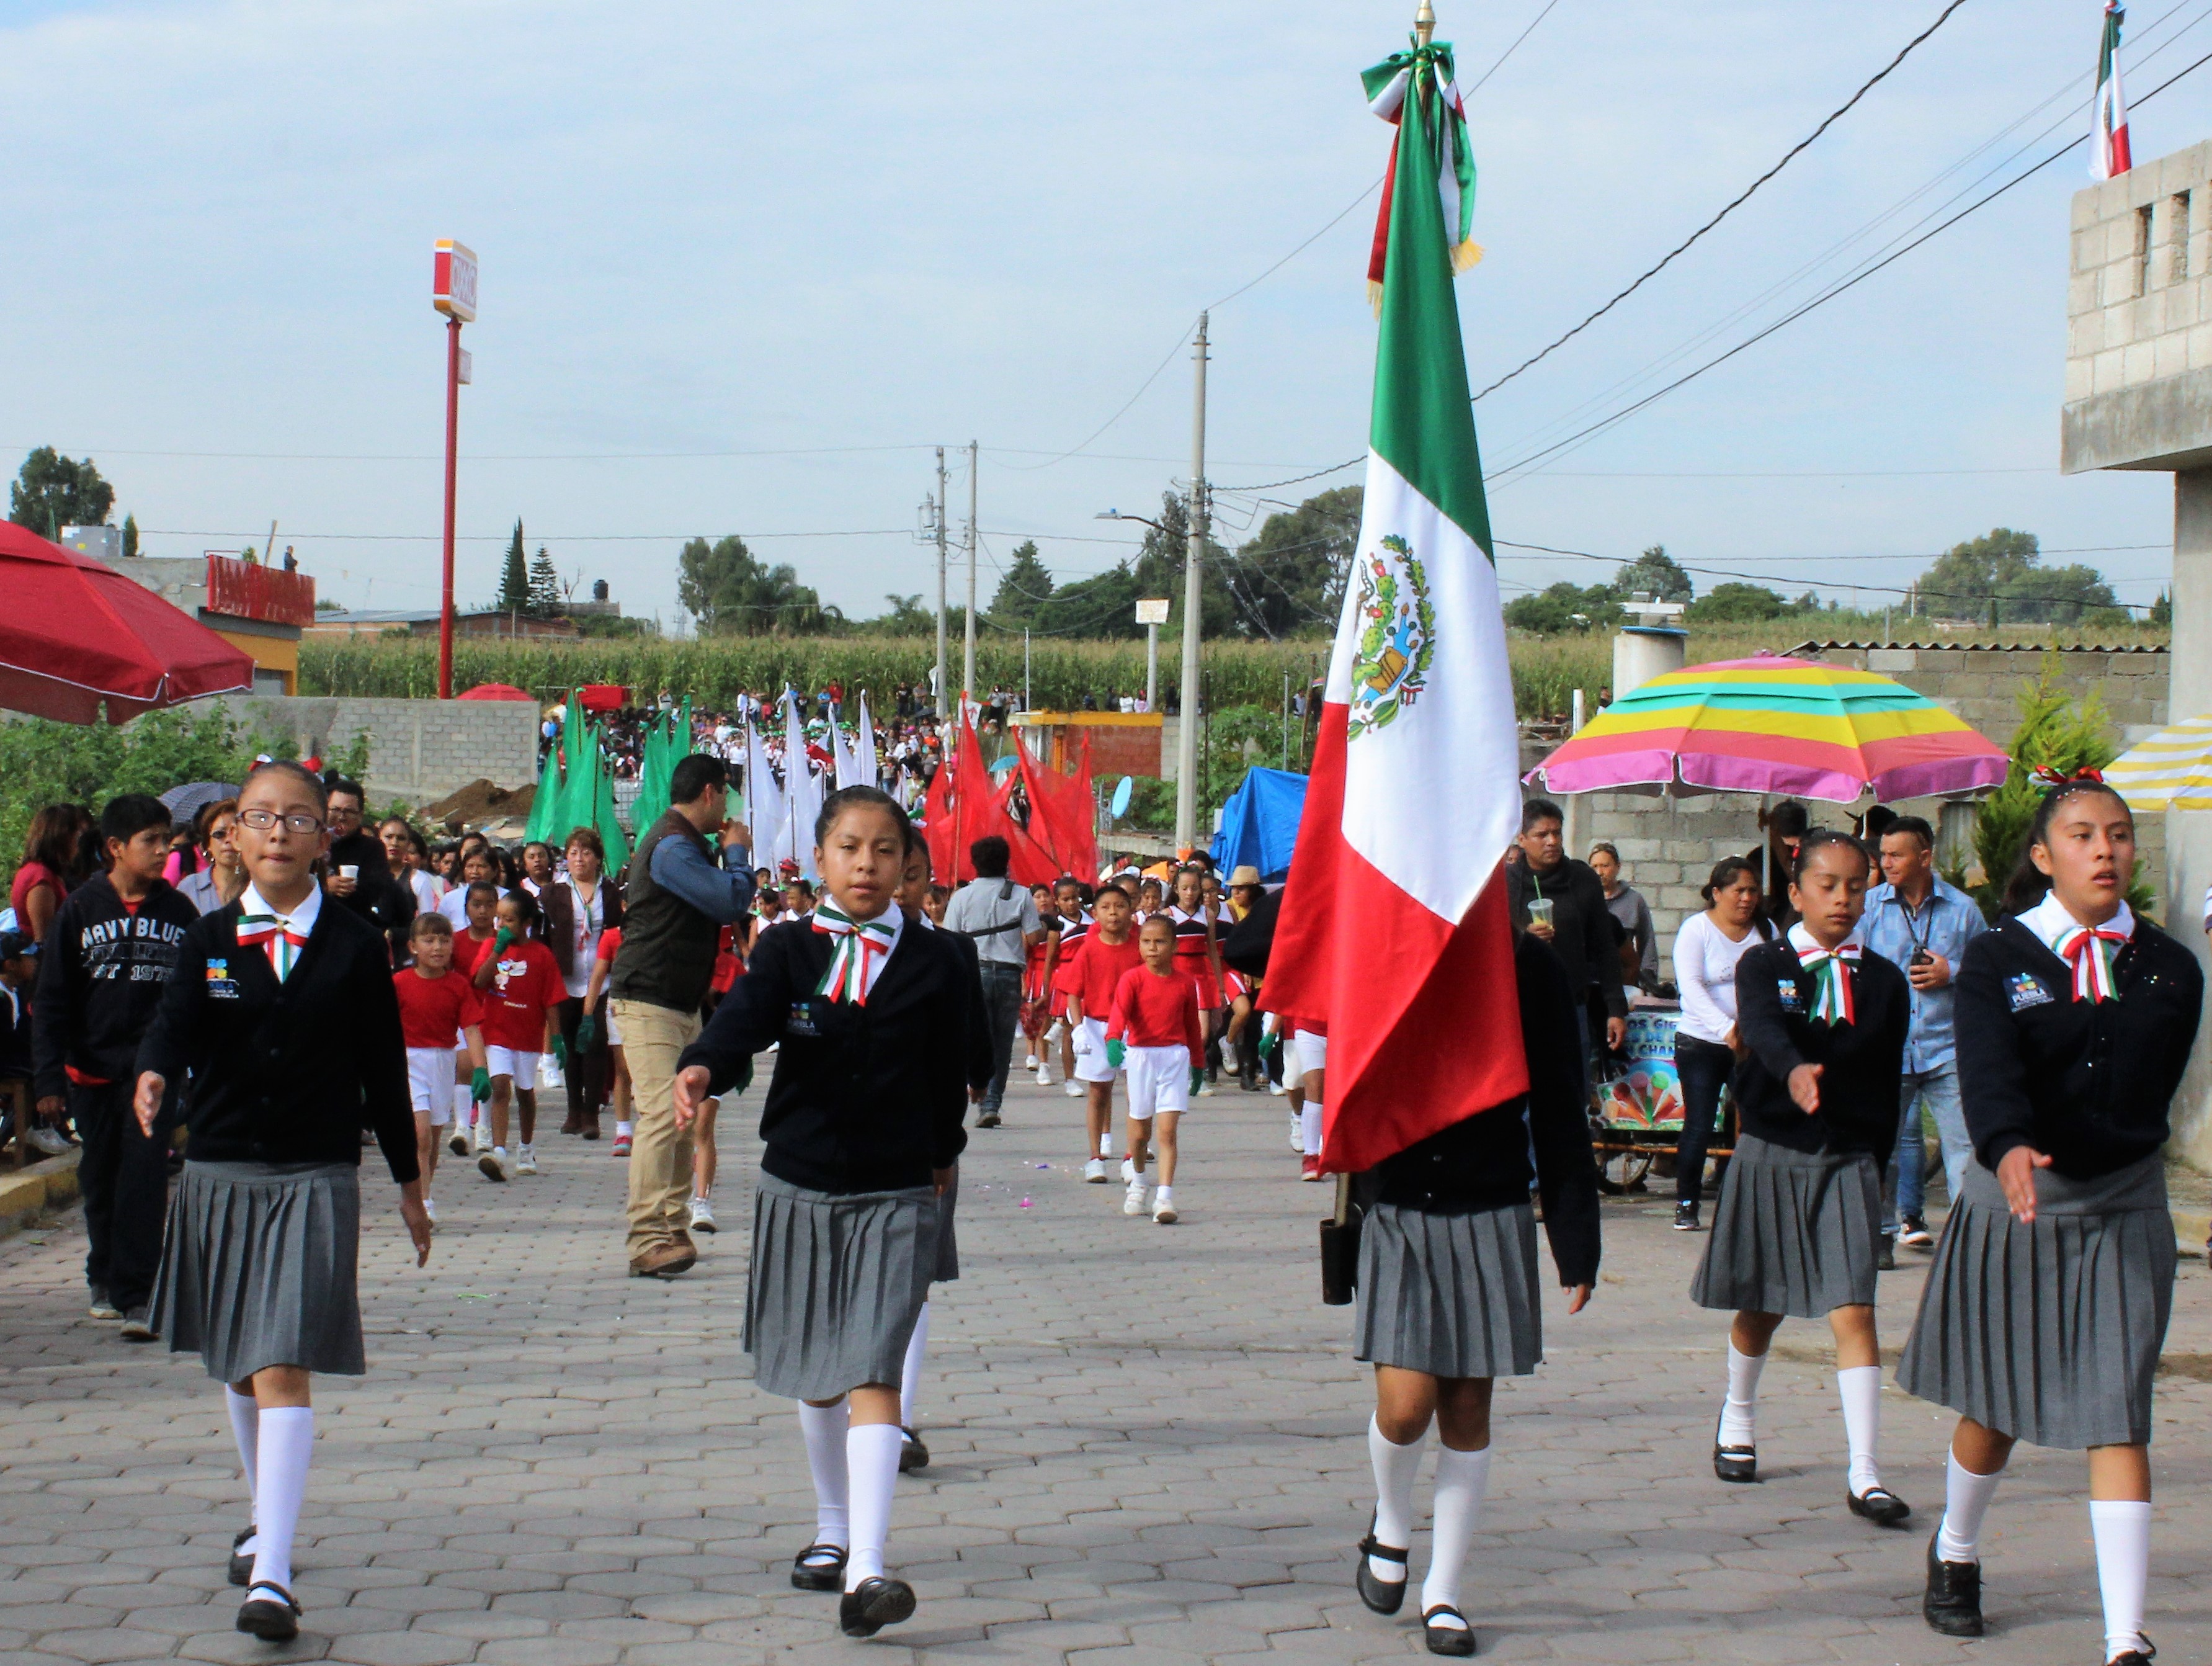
{"type": "Point", "coordinates": [837, 1282]}
{"type": "Point", "coordinates": [1453, 1295]}
{"type": "Point", "coordinates": [948, 1237]}
{"type": "Point", "coordinates": [2049, 1332]}
{"type": "Point", "coordinates": [1795, 1232]}
{"type": "Point", "coordinates": [260, 1267]}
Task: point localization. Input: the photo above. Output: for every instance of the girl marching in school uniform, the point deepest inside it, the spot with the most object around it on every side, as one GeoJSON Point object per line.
{"type": "Point", "coordinates": [439, 1017]}
{"type": "Point", "coordinates": [1153, 1031]}
{"type": "Point", "coordinates": [1448, 1299]}
{"type": "Point", "coordinates": [1197, 949]}
{"type": "Point", "coordinates": [2047, 1302]}
{"type": "Point", "coordinates": [282, 1012]}
{"type": "Point", "coordinates": [1086, 980]}
{"type": "Point", "coordinates": [861, 1130]}
{"type": "Point", "coordinates": [1076, 904]}
{"type": "Point", "coordinates": [1035, 1012]}
{"type": "Point", "coordinates": [1798, 1230]}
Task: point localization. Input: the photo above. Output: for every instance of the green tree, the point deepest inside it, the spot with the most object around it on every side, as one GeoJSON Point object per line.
{"type": "Point", "coordinates": [2161, 610]}
{"type": "Point", "coordinates": [51, 492]}
{"type": "Point", "coordinates": [905, 616]}
{"type": "Point", "coordinates": [129, 537]}
{"type": "Point", "coordinates": [2000, 578]}
{"type": "Point", "coordinates": [1655, 573]}
{"type": "Point", "coordinates": [514, 578]}
{"type": "Point", "coordinates": [1159, 571]}
{"type": "Point", "coordinates": [1024, 590]}
{"type": "Point", "coordinates": [544, 585]}
{"type": "Point", "coordinates": [731, 593]}
{"type": "Point", "coordinates": [1563, 609]}
{"type": "Point", "coordinates": [1736, 604]}
{"type": "Point", "coordinates": [1288, 578]}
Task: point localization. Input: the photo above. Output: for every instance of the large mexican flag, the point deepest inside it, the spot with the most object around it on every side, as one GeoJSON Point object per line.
{"type": "Point", "coordinates": [1393, 930]}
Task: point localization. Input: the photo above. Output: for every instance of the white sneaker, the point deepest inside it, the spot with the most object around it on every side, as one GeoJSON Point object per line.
{"type": "Point", "coordinates": [430, 1209]}
{"type": "Point", "coordinates": [1275, 1088]}
{"type": "Point", "coordinates": [1074, 1088]}
{"type": "Point", "coordinates": [49, 1140]}
{"type": "Point", "coordinates": [482, 1138]}
{"type": "Point", "coordinates": [1164, 1209]}
{"type": "Point", "coordinates": [703, 1215]}
{"type": "Point", "coordinates": [1133, 1203]}
{"type": "Point", "coordinates": [1105, 1144]}
{"type": "Point", "coordinates": [1128, 1171]}
{"type": "Point", "coordinates": [492, 1164]}
{"type": "Point", "coordinates": [1044, 1075]}
{"type": "Point", "coordinates": [1205, 1089]}
{"type": "Point", "coordinates": [459, 1145]}
{"type": "Point", "coordinates": [1094, 1172]}
{"type": "Point", "coordinates": [1297, 1134]}
{"type": "Point", "coordinates": [526, 1159]}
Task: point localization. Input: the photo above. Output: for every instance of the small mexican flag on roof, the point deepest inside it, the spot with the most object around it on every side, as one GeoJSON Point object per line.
{"type": "Point", "coordinates": [1394, 932]}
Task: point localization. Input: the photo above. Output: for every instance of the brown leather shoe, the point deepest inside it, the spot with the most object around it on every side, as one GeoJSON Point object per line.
{"type": "Point", "coordinates": [590, 1125]}
{"type": "Point", "coordinates": [573, 1126]}
{"type": "Point", "coordinates": [669, 1261]}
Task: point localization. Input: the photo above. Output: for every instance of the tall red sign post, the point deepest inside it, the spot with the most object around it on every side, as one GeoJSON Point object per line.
{"type": "Point", "coordinates": [452, 292]}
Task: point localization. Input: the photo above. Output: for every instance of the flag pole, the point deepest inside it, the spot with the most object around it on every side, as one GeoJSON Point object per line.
{"type": "Point", "coordinates": [1424, 24]}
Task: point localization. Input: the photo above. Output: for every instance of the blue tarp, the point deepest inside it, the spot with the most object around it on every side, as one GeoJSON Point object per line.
{"type": "Point", "coordinates": [1260, 825]}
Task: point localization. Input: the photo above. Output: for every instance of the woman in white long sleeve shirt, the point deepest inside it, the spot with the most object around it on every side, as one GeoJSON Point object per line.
{"type": "Point", "coordinates": [1706, 949]}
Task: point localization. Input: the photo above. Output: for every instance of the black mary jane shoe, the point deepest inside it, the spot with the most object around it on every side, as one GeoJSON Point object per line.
{"type": "Point", "coordinates": [1447, 1640]}
{"type": "Point", "coordinates": [1952, 1604]}
{"type": "Point", "coordinates": [913, 1454]}
{"type": "Point", "coordinates": [242, 1559]}
{"type": "Point", "coordinates": [2142, 1656]}
{"type": "Point", "coordinates": [874, 1604]}
{"type": "Point", "coordinates": [1879, 1506]}
{"type": "Point", "coordinates": [272, 1621]}
{"type": "Point", "coordinates": [1380, 1596]}
{"type": "Point", "coordinates": [819, 1567]}
{"type": "Point", "coordinates": [1736, 1463]}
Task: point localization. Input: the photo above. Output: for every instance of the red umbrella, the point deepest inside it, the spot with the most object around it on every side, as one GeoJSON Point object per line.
{"type": "Point", "coordinates": [75, 632]}
{"type": "Point", "coordinates": [598, 698]}
{"type": "Point", "coordinates": [496, 691]}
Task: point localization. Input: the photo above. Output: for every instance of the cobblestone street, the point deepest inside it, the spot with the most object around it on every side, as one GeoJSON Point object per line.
{"type": "Point", "coordinates": [1148, 1447]}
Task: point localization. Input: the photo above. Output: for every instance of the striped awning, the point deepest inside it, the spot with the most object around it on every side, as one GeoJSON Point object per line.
{"type": "Point", "coordinates": [2173, 769]}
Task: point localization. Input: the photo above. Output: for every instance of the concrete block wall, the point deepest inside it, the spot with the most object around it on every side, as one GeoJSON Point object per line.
{"type": "Point", "coordinates": [419, 749]}
{"type": "Point", "coordinates": [1668, 846]}
{"type": "Point", "coordinates": [2139, 290]}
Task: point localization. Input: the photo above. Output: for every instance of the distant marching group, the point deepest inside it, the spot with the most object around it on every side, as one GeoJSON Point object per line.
{"type": "Point", "coordinates": [266, 1017]}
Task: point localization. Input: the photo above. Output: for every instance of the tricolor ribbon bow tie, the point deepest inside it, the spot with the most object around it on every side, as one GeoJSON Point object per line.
{"type": "Point", "coordinates": [1831, 980]}
{"type": "Point", "coordinates": [859, 942]}
{"type": "Point", "coordinates": [2091, 953]}
{"type": "Point", "coordinates": [276, 936]}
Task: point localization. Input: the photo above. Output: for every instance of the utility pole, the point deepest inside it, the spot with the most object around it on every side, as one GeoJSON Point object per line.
{"type": "Point", "coordinates": [938, 693]}
{"type": "Point", "coordinates": [968, 658]}
{"type": "Point", "coordinates": [1186, 831]}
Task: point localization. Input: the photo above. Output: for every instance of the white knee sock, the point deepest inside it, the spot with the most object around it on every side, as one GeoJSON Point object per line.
{"type": "Point", "coordinates": [245, 1430]}
{"type": "Point", "coordinates": [1309, 1127]}
{"type": "Point", "coordinates": [824, 1428]}
{"type": "Point", "coordinates": [1860, 1389]}
{"type": "Point", "coordinates": [871, 1456]}
{"type": "Point", "coordinates": [2121, 1527]}
{"type": "Point", "coordinates": [1965, 1500]}
{"type": "Point", "coordinates": [916, 1347]}
{"type": "Point", "coordinates": [1740, 1411]}
{"type": "Point", "coordinates": [285, 1446]}
{"type": "Point", "coordinates": [1461, 1478]}
{"type": "Point", "coordinates": [1396, 1466]}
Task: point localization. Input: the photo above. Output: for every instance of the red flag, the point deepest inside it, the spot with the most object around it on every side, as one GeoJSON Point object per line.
{"type": "Point", "coordinates": [1062, 819]}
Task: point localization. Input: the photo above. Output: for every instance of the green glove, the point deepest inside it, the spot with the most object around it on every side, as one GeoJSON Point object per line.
{"type": "Point", "coordinates": [1271, 1046]}
{"type": "Point", "coordinates": [480, 1086]}
{"type": "Point", "coordinates": [1114, 1054]}
{"type": "Point", "coordinates": [499, 942]}
{"type": "Point", "coordinates": [588, 1034]}
{"type": "Point", "coordinates": [561, 1051]}
{"type": "Point", "coordinates": [1197, 1076]}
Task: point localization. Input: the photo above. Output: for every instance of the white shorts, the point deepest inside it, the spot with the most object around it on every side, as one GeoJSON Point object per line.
{"type": "Point", "coordinates": [1313, 1051]}
{"type": "Point", "coordinates": [1091, 1067]}
{"type": "Point", "coordinates": [1159, 1080]}
{"type": "Point", "coordinates": [613, 1030]}
{"type": "Point", "coordinates": [430, 1083]}
{"type": "Point", "coordinates": [522, 1067]}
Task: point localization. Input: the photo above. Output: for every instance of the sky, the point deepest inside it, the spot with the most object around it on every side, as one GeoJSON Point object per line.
{"type": "Point", "coordinates": [744, 267]}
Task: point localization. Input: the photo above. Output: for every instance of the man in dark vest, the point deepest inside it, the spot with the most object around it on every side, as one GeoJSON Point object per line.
{"type": "Point", "coordinates": [690, 875]}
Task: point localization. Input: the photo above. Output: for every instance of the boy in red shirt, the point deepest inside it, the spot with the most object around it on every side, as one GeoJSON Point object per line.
{"type": "Point", "coordinates": [437, 1009]}
{"type": "Point", "coordinates": [1088, 979]}
{"type": "Point", "coordinates": [594, 992]}
{"type": "Point", "coordinates": [521, 987]}
{"type": "Point", "coordinates": [1155, 1029]}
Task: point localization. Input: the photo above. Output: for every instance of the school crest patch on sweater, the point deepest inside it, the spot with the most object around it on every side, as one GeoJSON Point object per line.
{"type": "Point", "coordinates": [2025, 991]}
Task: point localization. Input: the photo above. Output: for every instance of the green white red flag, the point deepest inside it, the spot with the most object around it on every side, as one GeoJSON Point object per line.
{"type": "Point", "coordinates": [2108, 142]}
{"type": "Point", "coordinates": [1393, 930]}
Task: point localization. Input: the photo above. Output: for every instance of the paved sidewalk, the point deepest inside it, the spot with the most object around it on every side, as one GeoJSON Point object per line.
{"type": "Point", "coordinates": [1148, 1448]}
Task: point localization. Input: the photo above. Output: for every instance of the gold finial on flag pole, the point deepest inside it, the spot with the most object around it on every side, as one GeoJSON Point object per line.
{"type": "Point", "coordinates": [1425, 23]}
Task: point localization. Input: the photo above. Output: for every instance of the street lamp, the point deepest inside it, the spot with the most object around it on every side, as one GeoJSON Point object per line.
{"type": "Point", "coordinates": [453, 293]}
{"type": "Point", "coordinates": [1151, 613]}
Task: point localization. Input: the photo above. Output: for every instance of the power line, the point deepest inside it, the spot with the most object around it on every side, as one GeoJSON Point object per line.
{"type": "Point", "coordinates": [1509, 50]}
{"type": "Point", "coordinates": [1743, 197]}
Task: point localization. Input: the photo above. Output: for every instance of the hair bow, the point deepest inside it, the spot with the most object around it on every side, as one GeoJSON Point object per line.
{"type": "Point", "coordinates": [2051, 777]}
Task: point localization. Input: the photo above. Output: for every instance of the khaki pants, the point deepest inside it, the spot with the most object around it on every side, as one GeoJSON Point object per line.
{"type": "Point", "coordinates": [659, 1156]}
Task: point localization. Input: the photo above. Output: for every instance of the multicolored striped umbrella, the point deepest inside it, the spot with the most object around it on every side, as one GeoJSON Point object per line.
{"type": "Point", "coordinates": [2173, 769]}
{"type": "Point", "coordinates": [1779, 725]}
